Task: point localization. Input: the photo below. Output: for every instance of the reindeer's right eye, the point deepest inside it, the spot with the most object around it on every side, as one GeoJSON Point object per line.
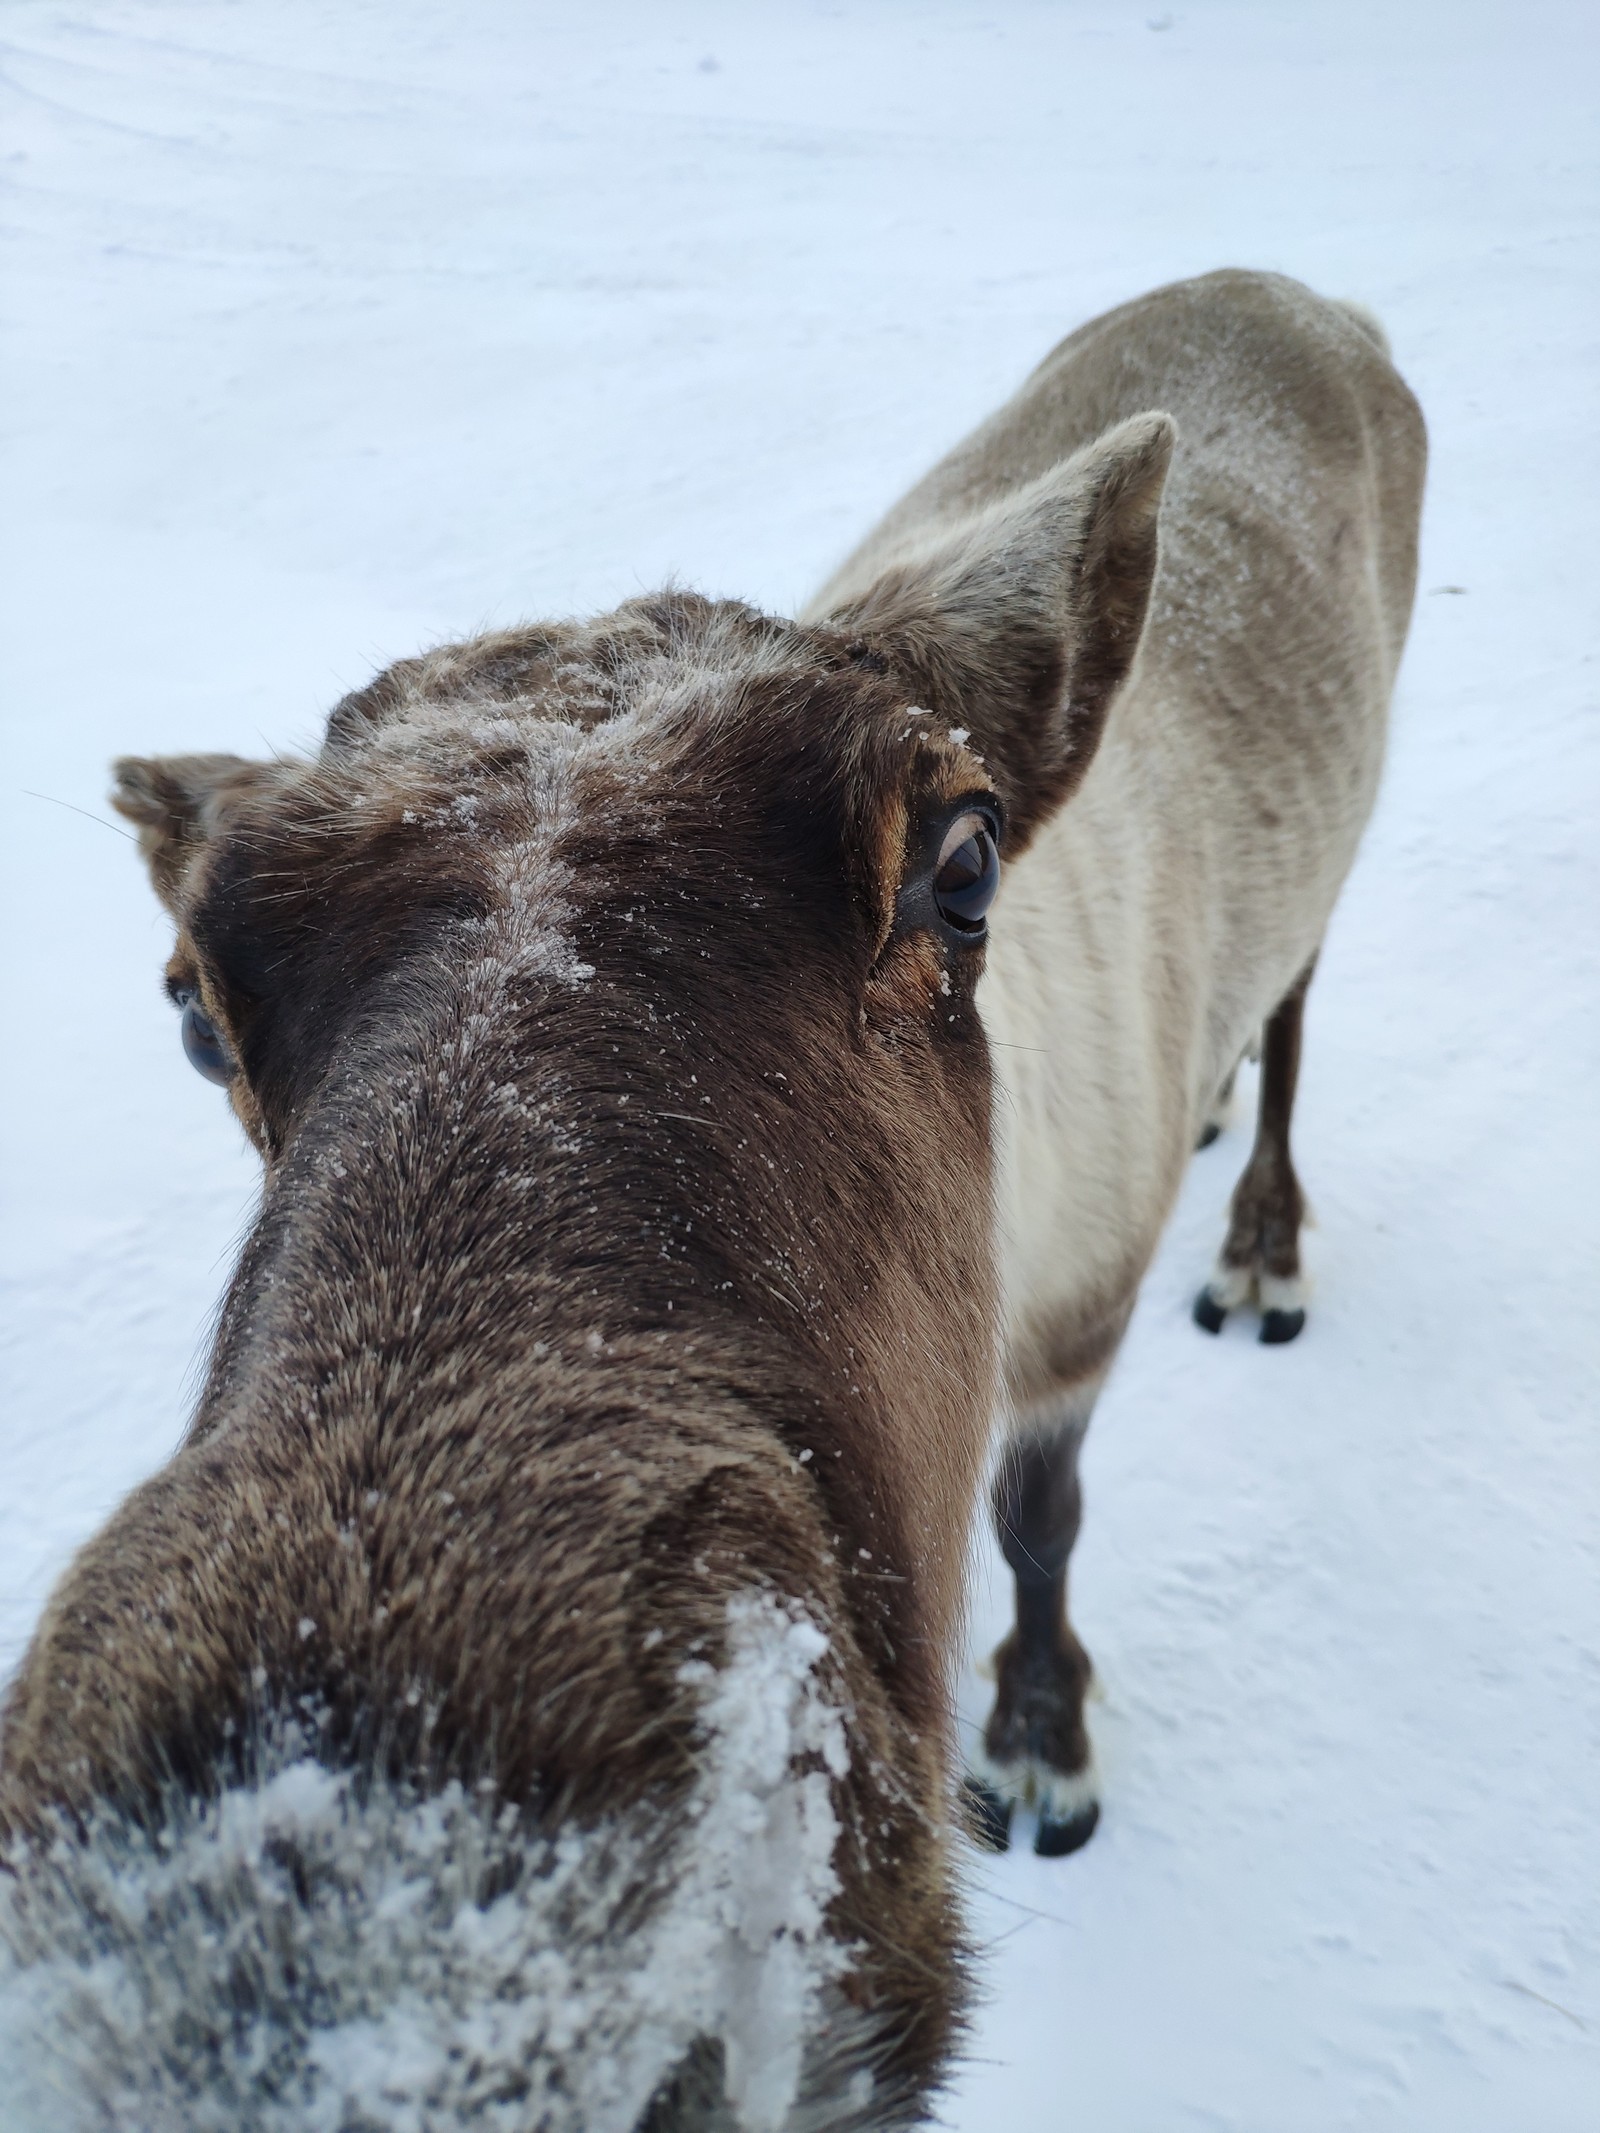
{"type": "Point", "coordinates": [967, 875]}
{"type": "Point", "coordinates": [203, 1048]}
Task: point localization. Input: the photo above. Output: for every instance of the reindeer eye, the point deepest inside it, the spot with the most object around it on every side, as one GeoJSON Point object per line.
{"type": "Point", "coordinates": [203, 1048]}
{"type": "Point", "coordinates": [968, 874]}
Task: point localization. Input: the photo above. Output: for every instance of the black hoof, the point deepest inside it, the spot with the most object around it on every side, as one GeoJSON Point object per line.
{"type": "Point", "coordinates": [1055, 1839]}
{"type": "Point", "coordinates": [1209, 1315]}
{"type": "Point", "coordinates": [988, 1815]}
{"type": "Point", "coordinates": [1209, 1132]}
{"type": "Point", "coordinates": [1280, 1326]}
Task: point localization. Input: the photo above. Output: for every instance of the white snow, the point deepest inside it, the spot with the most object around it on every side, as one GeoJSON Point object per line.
{"type": "Point", "coordinates": [333, 330]}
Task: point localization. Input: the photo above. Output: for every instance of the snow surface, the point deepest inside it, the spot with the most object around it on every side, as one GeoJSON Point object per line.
{"type": "Point", "coordinates": [333, 330]}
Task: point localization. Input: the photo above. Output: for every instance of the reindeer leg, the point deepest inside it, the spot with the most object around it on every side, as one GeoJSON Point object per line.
{"type": "Point", "coordinates": [1035, 1746]}
{"type": "Point", "coordinates": [1260, 1258]}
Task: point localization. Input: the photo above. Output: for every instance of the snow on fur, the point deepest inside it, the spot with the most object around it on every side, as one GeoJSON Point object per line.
{"type": "Point", "coordinates": [294, 1958]}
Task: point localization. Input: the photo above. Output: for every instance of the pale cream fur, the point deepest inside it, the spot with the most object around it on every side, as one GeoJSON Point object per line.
{"type": "Point", "coordinates": [1159, 917]}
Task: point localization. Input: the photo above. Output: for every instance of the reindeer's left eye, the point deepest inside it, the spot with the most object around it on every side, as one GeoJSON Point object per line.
{"type": "Point", "coordinates": [968, 874]}
{"type": "Point", "coordinates": [203, 1048]}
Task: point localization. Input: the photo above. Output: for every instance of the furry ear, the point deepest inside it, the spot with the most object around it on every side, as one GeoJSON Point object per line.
{"type": "Point", "coordinates": [177, 802]}
{"type": "Point", "coordinates": [1020, 622]}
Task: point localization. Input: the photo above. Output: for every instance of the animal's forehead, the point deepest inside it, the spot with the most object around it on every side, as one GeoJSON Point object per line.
{"type": "Point", "coordinates": [501, 769]}
{"type": "Point", "coordinates": [651, 655]}
{"type": "Point", "coordinates": [553, 731]}
{"type": "Point", "coordinates": [466, 714]}
{"type": "Point", "coordinates": [676, 717]}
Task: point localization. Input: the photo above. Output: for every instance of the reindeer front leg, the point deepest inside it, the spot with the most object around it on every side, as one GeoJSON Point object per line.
{"type": "Point", "coordinates": [1035, 1747]}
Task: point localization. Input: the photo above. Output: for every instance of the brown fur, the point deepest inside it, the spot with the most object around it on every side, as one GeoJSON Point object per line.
{"type": "Point", "coordinates": [544, 1303]}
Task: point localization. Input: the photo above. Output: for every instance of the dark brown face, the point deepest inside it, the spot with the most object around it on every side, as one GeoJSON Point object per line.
{"type": "Point", "coordinates": [730, 887]}
{"type": "Point", "coordinates": [762, 849]}
{"type": "Point", "coordinates": [603, 1008]}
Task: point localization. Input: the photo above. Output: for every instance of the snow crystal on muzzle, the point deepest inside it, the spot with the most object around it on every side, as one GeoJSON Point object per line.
{"type": "Point", "coordinates": [294, 1957]}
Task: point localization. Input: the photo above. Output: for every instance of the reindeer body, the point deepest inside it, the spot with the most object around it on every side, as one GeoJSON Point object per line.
{"type": "Point", "coordinates": [600, 1401]}
{"type": "Point", "coordinates": [1154, 925]}
{"type": "Point", "coordinates": [1176, 906]}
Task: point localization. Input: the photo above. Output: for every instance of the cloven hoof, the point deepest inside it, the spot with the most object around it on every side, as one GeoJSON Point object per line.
{"type": "Point", "coordinates": [1209, 1315]}
{"type": "Point", "coordinates": [1278, 1326]}
{"type": "Point", "coordinates": [1055, 1839]}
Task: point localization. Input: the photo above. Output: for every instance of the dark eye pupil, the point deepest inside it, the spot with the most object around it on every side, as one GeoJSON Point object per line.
{"type": "Point", "coordinates": [203, 1048]}
{"type": "Point", "coordinates": [965, 884]}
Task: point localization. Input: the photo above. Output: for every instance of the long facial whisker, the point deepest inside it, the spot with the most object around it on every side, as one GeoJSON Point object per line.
{"type": "Point", "coordinates": [84, 811]}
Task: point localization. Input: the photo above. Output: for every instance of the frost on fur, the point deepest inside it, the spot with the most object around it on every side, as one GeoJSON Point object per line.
{"type": "Point", "coordinates": [308, 1955]}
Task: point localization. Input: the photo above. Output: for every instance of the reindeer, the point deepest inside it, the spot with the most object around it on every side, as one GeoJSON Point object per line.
{"type": "Point", "coordinates": [524, 1699]}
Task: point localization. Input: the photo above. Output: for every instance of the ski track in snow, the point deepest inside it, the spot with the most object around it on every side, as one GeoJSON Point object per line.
{"type": "Point", "coordinates": [333, 331]}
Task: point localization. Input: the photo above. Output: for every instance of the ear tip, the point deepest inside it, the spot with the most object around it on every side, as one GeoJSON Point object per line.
{"type": "Point", "coordinates": [1151, 434]}
{"type": "Point", "coordinates": [135, 789]}
{"type": "Point", "coordinates": [1135, 458]}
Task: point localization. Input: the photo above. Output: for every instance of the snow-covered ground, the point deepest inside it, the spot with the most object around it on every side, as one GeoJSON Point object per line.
{"type": "Point", "coordinates": [333, 328]}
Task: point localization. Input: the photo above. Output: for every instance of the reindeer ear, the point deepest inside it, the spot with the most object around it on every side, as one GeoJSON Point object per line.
{"type": "Point", "coordinates": [1020, 622]}
{"type": "Point", "coordinates": [177, 803]}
